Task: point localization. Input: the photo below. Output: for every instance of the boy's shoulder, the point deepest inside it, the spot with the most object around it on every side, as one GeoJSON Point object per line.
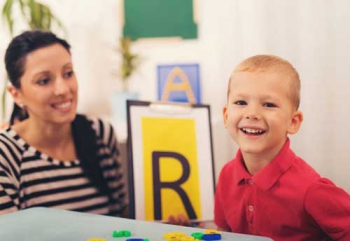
{"type": "Point", "coordinates": [287, 168]}
{"type": "Point", "coordinates": [303, 170]}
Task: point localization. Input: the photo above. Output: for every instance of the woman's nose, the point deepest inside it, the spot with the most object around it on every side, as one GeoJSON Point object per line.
{"type": "Point", "coordinates": [61, 87]}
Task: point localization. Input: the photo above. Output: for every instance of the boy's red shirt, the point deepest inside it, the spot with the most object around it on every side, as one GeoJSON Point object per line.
{"type": "Point", "coordinates": [287, 200]}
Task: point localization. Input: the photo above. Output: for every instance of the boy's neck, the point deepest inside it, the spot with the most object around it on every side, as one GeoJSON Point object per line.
{"type": "Point", "coordinates": [256, 162]}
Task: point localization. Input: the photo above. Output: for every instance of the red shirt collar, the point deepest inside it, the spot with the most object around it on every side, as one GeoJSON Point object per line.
{"type": "Point", "coordinates": [269, 174]}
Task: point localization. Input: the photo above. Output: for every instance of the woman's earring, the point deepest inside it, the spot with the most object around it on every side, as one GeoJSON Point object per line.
{"type": "Point", "coordinates": [23, 110]}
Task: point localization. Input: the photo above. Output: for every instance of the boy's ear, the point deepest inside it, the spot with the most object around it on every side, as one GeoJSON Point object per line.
{"type": "Point", "coordinates": [16, 95]}
{"type": "Point", "coordinates": [224, 115]}
{"type": "Point", "coordinates": [295, 123]}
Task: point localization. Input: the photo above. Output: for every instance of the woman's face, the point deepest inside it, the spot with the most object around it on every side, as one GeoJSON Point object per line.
{"type": "Point", "coordinates": [48, 86]}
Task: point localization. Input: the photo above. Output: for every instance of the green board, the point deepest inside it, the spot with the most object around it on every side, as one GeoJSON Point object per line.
{"type": "Point", "coordinates": [159, 18]}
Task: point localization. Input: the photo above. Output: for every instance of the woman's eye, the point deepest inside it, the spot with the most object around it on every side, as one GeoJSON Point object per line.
{"type": "Point", "coordinates": [69, 74]}
{"type": "Point", "coordinates": [43, 81]}
{"type": "Point", "coordinates": [240, 102]}
{"type": "Point", "coordinates": [269, 105]}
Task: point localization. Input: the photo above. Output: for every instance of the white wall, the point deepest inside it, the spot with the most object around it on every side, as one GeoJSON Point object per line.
{"type": "Point", "coordinates": [312, 34]}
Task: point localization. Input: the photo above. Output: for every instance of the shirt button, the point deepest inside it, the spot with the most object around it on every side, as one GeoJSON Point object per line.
{"type": "Point", "coordinates": [251, 208]}
{"type": "Point", "coordinates": [250, 181]}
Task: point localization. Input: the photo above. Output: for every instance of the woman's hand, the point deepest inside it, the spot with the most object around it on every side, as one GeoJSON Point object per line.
{"type": "Point", "coordinates": [179, 219]}
{"type": "Point", "coordinates": [182, 220]}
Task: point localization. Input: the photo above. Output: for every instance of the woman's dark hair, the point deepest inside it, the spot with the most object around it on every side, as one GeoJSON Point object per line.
{"type": "Point", "coordinates": [83, 134]}
{"type": "Point", "coordinates": [86, 148]}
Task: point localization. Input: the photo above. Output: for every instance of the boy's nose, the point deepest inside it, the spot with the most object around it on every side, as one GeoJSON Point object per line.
{"type": "Point", "coordinates": [252, 114]}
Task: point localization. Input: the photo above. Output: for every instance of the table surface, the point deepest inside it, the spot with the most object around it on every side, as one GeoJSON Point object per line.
{"type": "Point", "coordinates": [44, 224]}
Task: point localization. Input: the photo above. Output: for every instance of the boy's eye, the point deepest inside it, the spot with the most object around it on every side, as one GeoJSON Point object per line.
{"type": "Point", "coordinates": [269, 105]}
{"type": "Point", "coordinates": [240, 102]}
{"type": "Point", "coordinates": [43, 81]}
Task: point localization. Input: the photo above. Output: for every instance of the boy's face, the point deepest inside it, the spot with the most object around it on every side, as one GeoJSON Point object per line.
{"type": "Point", "coordinates": [259, 113]}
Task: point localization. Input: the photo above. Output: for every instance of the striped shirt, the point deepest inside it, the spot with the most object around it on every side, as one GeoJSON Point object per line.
{"type": "Point", "coordinates": [29, 178]}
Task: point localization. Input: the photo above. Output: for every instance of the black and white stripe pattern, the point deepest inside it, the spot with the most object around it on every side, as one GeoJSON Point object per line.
{"type": "Point", "coordinates": [29, 178]}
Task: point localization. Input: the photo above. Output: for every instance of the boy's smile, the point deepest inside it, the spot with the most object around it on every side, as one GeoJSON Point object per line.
{"type": "Point", "coordinates": [259, 113]}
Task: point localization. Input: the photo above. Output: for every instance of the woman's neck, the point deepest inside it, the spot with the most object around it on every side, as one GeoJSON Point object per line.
{"type": "Point", "coordinates": [53, 140]}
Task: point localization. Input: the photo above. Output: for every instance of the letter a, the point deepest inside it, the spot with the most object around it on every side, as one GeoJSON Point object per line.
{"type": "Point", "coordinates": [170, 85]}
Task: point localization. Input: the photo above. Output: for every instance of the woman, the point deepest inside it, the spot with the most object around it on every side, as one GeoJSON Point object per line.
{"type": "Point", "coordinates": [54, 157]}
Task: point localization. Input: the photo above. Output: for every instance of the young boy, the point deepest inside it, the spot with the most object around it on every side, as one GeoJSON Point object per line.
{"type": "Point", "coordinates": [266, 189]}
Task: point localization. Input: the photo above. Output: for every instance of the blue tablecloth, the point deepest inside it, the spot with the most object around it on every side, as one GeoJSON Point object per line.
{"type": "Point", "coordinates": [44, 224]}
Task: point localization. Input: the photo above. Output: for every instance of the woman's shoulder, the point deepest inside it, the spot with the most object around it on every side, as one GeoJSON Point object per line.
{"type": "Point", "coordinates": [11, 148]}
{"type": "Point", "coordinates": [8, 138]}
{"type": "Point", "coordinates": [5, 138]}
{"type": "Point", "coordinates": [101, 126]}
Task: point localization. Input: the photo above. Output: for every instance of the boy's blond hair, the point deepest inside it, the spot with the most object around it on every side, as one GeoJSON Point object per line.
{"type": "Point", "coordinates": [271, 63]}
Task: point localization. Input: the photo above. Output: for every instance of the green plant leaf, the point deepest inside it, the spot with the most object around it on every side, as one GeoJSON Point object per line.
{"type": "Point", "coordinates": [129, 59]}
{"type": "Point", "coordinates": [37, 17]}
{"type": "Point", "coordinates": [22, 7]}
{"type": "Point", "coordinates": [43, 17]}
{"type": "Point", "coordinates": [48, 16]}
{"type": "Point", "coordinates": [7, 14]}
{"type": "Point", "coordinates": [3, 101]}
{"type": "Point", "coordinates": [31, 9]}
